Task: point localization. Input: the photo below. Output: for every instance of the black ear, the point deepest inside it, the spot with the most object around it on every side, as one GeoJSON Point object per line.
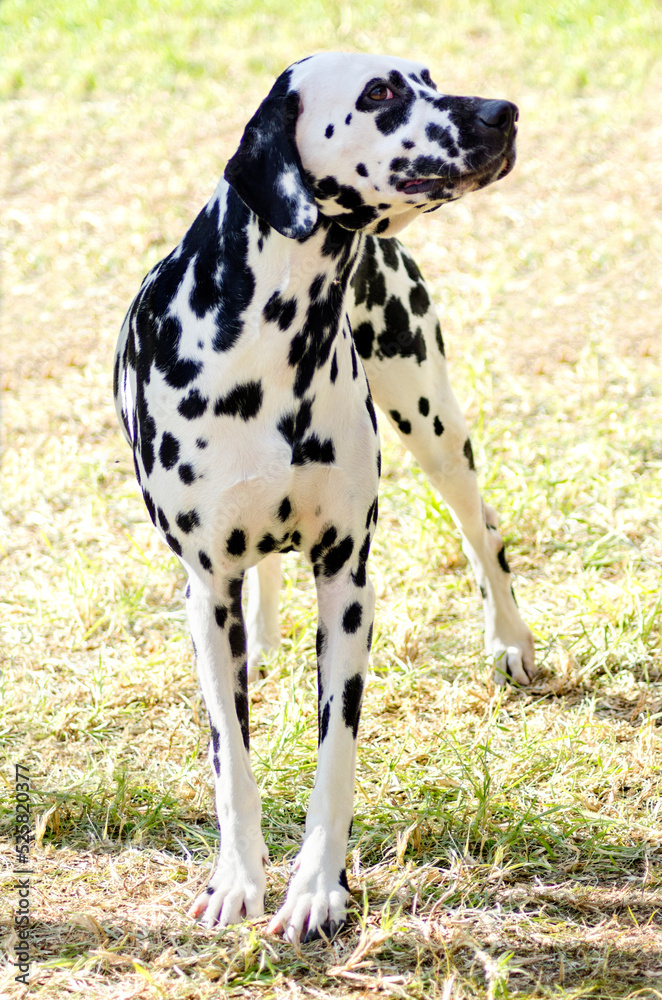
{"type": "Point", "coordinates": [266, 171]}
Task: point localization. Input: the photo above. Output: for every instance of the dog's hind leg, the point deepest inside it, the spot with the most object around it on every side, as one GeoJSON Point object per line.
{"type": "Point", "coordinates": [264, 583]}
{"type": "Point", "coordinates": [237, 886]}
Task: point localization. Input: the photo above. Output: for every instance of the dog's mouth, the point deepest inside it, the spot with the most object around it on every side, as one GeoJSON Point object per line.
{"type": "Point", "coordinates": [421, 186]}
{"type": "Point", "coordinates": [456, 181]}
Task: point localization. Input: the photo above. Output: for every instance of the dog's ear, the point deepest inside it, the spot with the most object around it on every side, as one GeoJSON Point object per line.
{"type": "Point", "coordinates": [266, 170]}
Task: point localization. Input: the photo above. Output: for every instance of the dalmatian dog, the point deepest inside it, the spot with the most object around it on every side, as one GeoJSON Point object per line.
{"type": "Point", "coordinates": [244, 380]}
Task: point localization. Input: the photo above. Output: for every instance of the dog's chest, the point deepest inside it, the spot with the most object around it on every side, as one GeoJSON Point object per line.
{"type": "Point", "coordinates": [252, 465]}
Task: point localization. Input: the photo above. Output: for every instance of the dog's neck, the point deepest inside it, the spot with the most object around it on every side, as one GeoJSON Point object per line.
{"type": "Point", "coordinates": [306, 286]}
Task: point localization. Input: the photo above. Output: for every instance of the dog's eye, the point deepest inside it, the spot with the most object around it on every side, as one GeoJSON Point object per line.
{"type": "Point", "coordinates": [380, 93]}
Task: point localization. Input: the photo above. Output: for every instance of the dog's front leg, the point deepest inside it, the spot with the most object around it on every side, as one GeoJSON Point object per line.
{"type": "Point", "coordinates": [317, 895]}
{"type": "Point", "coordinates": [236, 888]}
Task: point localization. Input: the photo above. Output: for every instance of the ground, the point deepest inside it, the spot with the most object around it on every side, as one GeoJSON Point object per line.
{"type": "Point", "coordinates": [506, 844]}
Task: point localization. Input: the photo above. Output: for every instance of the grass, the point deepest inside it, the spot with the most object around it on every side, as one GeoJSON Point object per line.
{"type": "Point", "coordinates": [506, 844]}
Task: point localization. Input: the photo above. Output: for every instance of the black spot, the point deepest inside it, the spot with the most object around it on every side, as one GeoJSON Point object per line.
{"type": "Point", "coordinates": [342, 878]}
{"type": "Point", "coordinates": [186, 522]}
{"type": "Point", "coordinates": [205, 561]}
{"type": "Point", "coordinates": [285, 509]}
{"type": "Point", "coordinates": [399, 163]}
{"type": "Point", "coordinates": [193, 405]}
{"type": "Point", "coordinates": [364, 336]}
{"type": "Point", "coordinates": [234, 592]}
{"type": "Point", "coordinates": [241, 708]}
{"type": "Point", "coordinates": [348, 119]}
{"type": "Point", "coordinates": [441, 135]}
{"type": "Point", "coordinates": [116, 377]}
{"type": "Point", "coordinates": [320, 641]}
{"type": "Point", "coordinates": [151, 506]}
{"type": "Point", "coordinates": [236, 543]}
{"type": "Point", "coordinates": [397, 337]}
{"type": "Point", "coordinates": [244, 401]}
{"type": "Point", "coordinates": [411, 267]}
{"type": "Point", "coordinates": [266, 544]}
{"type": "Point", "coordinates": [349, 197]}
{"type": "Point", "coordinates": [305, 449]}
{"type": "Point", "coordinates": [390, 253]}
{"type": "Point", "coordinates": [327, 539]}
{"type": "Point", "coordinates": [352, 618]}
{"type": "Point", "coordinates": [296, 539]}
{"type": "Point", "coordinates": [236, 281]}
{"type": "Point", "coordinates": [423, 406]}
{"type": "Point", "coordinates": [368, 282]}
{"type": "Point", "coordinates": [169, 450]}
{"type": "Point", "coordinates": [324, 722]}
{"type": "Point", "coordinates": [327, 187]}
{"type": "Point", "coordinates": [503, 562]}
{"type": "Point", "coordinates": [333, 374]}
{"type": "Point", "coordinates": [146, 431]}
{"type": "Point", "coordinates": [329, 131]}
{"type": "Point", "coordinates": [371, 412]}
{"type": "Point", "coordinates": [201, 443]}
{"type": "Point", "coordinates": [404, 426]}
{"type": "Point", "coordinates": [408, 144]}
{"type": "Point", "coordinates": [173, 543]}
{"type": "Point", "coordinates": [357, 216]}
{"type": "Point", "coordinates": [217, 769]}
{"type": "Point", "coordinates": [369, 642]}
{"type": "Point", "coordinates": [278, 310]}
{"type": "Point", "coordinates": [316, 286]}
{"type": "Point", "coordinates": [314, 450]}
{"type": "Point", "coordinates": [335, 558]}
{"type": "Point", "coordinates": [355, 364]}
{"type": "Point", "coordinates": [187, 473]}
{"type": "Point", "coordinates": [419, 300]}
{"type": "Point", "coordinates": [438, 427]}
{"type": "Point", "coordinates": [187, 592]}
{"type": "Point", "coordinates": [221, 615]}
{"type": "Point", "coordinates": [351, 702]}
{"type": "Point", "coordinates": [468, 454]}
{"type": "Point", "coordinates": [163, 520]}
{"type": "Point", "coordinates": [360, 576]}
{"type": "Point", "coordinates": [382, 226]}
{"type": "Point", "coordinates": [483, 592]}
{"type": "Point", "coordinates": [237, 639]}
{"type": "Point", "coordinates": [393, 114]}
{"type": "Point", "coordinates": [440, 340]}
{"type": "Point", "coordinates": [361, 169]}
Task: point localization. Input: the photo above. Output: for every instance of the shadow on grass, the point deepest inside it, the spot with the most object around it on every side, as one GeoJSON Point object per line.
{"type": "Point", "coordinates": [517, 939]}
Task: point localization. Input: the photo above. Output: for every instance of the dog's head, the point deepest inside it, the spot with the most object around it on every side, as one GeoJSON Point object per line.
{"type": "Point", "coordinates": [368, 141]}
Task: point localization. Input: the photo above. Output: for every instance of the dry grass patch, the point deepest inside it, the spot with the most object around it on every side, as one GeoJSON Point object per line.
{"type": "Point", "coordinates": [505, 843]}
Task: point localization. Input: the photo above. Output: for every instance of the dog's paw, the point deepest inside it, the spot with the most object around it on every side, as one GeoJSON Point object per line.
{"type": "Point", "coordinates": [315, 906]}
{"type": "Point", "coordinates": [235, 891]}
{"type": "Point", "coordinates": [514, 663]}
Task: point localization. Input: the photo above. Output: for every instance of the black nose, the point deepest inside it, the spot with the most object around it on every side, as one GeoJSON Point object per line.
{"type": "Point", "coordinates": [500, 115]}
